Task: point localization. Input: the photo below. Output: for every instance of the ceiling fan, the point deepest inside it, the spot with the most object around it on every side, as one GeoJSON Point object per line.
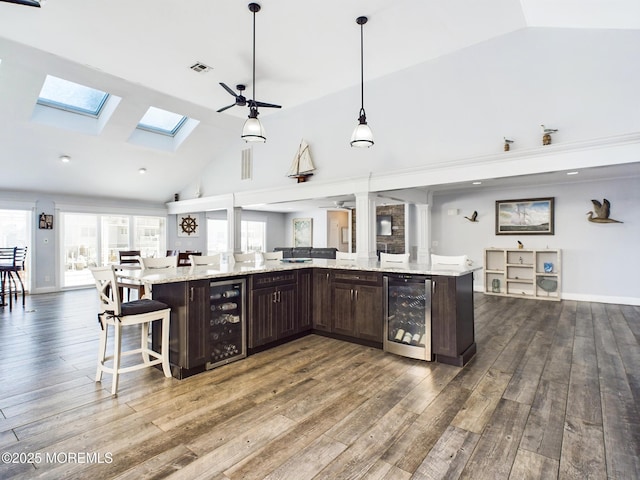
{"type": "Point", "coordinates": [29, 3]}
{"type": "Point", "coordinates": [241, 100]}
{"type": "Point", "coordinates": [340, 205]}
{"type": "Point", "coordinates": [253, 130]}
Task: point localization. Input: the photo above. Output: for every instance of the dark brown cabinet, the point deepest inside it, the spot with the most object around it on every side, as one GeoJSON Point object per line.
{"type": "Point", "coordinates": [453, 337]}
{"type": "Point", "coordinates": [272, 312]}
{"type": "Point", "coordinates": [321, 300]}
{"type": "Point", "coordinates": [357, 305]}
{"type": "Point", "coordinates": [305, 300]}
{"type": "Point", "coordinates": [189, 330]}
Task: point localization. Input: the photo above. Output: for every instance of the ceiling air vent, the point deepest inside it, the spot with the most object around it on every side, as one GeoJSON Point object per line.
{"type": "Point", "coordinates": [246, 164]}
{"type": "Point", "coordinates": [200, 67]}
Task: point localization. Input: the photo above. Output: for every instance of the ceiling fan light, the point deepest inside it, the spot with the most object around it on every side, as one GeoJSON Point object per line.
{"type": "Point", "coordinates": [253, 131]}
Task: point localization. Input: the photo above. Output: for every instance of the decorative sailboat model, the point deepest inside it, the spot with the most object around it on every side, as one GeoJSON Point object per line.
{"type": "Point", "coordinates": [302, 167]}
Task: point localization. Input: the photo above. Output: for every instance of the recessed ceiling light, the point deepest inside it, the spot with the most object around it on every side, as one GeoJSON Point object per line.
{"type": "Point", "coordinates": [476, 183]}
{"type": "Point", "coordinates": [65, 158]}
{"type": "Point", "coordinates": [142, 171]}
{"type": "Point", "coordinates": [573, 173]}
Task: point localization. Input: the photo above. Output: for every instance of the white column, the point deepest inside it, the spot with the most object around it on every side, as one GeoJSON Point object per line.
{"type": "Point", "coordinates": [234, 217]}
{"type": "Point", "coordinates": [424, 233]}
{"type": "Point", "coordinates": [366, 225]}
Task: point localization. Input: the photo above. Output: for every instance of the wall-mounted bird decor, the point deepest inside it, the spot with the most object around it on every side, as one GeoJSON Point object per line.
{"type": "Point", "coordinates": [507, 141]}
{"type": "Point", "coordinates": [602, 212]}
{"type": "Point", "coordinates": [520, 245]}
{"type": "Point", "coordinates": [546, 134]}
{"type": "Point", "coordinates": [473, 217]}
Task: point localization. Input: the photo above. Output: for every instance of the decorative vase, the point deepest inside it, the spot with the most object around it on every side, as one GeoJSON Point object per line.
{"type": "Point", "coordinates": [495, 285]}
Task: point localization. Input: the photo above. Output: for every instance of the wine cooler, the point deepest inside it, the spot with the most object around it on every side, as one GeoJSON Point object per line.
{"type": "Point", "coordinates": [407, 329]}
{"type": "Point", "coordinates": [227, 323]}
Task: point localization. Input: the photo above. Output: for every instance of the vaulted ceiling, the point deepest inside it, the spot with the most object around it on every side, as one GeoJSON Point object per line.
{"type": "Point", "coordinates": [142, 50]}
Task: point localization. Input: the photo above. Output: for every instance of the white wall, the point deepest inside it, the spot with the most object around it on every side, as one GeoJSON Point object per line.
{"type": "Point", "coordinates": [454, 108]}
{"type": "Point", "coordinates": [600, 262]}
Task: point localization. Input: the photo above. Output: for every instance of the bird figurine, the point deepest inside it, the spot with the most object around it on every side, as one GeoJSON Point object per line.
{"type": "Point", "coordinates": [507, 141]}
{"type": "Point", "coordinates": [546, 134]}
{"type": "Point", "coordinates": [473, 217]}
{"type": "Point", "coordinates": [520, 244]}
{"type": "Point", "coordinates": [602, 212]}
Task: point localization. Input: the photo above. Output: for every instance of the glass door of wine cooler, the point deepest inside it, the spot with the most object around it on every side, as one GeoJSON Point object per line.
{"type": "Point", "coordinates": [407, 329]}
{"type": "Point", "coordinates": [227, 323]}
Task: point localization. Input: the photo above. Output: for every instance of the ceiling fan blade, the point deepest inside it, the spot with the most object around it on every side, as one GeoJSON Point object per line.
{"type": "Point", "coordinates": [29, 3]}
{"type": "Point", "coordinates": [228, 89]}
{"type": "Point", "coordinates": [224, 108]}
{"type": "Point", "coordinates": [266, 105]}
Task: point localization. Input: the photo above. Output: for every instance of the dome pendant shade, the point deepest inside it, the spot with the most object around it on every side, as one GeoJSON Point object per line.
{"type": "Point", "coordinates": [253, 131]}
{"type": "Point", "coordinates": [362, 135]}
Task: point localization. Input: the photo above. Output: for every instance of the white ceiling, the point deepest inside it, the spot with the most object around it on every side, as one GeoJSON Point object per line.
{"type": "Point", "coordinates": [141, 50]}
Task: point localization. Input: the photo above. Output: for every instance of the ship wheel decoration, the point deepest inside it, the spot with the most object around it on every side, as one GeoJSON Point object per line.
{"type": "Point", "coordinates": [189, 225]}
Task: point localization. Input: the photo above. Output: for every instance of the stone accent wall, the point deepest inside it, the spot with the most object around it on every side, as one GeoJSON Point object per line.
{"type": "Point", "coordinates": [395, 242]}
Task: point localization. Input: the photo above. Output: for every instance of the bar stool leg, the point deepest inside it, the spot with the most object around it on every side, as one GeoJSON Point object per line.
{"type": "Point", "coordinates": [102, 350]}
{"type": "Point", "coordinates": [144, 339]}
{"type": "Point", "coordinates": [165, 344]}
{"type": "Point", "coordinates": [116, 357]}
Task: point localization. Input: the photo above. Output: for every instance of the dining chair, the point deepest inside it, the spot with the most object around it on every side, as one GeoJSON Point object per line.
{"type": "Point", "coordinates": [244, 257]}
{"type": "Point", "coordinates": [172, 253]}
{"type": "Point", "coordinates": [197, 260]}
{"type": "Point", "coordinates": [183, 257]}
{"type": "Point", "coordinates": [346, 256]}
{"type": "Point", "coordinates": [457, 260]}
{"type": "Point", "coordinates": [12, 261]}
{"type": "Point", "coordinates": [113, 313]}
{"type": "Point", "coordinates": [272, 256]}
{"type": "Point", "coordinates": [150, 263]}
{"type": "Point", "coordinates": [401, 258]}
{"type": "Point", "coordinates": [129, 257]}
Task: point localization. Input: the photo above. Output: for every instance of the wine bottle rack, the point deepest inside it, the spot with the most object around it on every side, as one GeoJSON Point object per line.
{"type": "Point", "coordinates": [227, 331]}
{"type": "Point", "coordinates": [408, 307]}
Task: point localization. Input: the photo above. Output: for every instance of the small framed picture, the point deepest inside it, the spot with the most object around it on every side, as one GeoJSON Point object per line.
{"type": "Point", "coordinates": [45, 221]}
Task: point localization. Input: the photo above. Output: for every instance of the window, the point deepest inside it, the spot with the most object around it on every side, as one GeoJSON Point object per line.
{"type": "Point", "coordinates": [252, 236]}
{"type": "Point", "coordinates": [91, 239]}
{"type": "Point", "coordinates": [161, 121]}
{"type": "Point", "coordinates": [15, 231]}
{"type": "Point", "coordinates": [72, 97]}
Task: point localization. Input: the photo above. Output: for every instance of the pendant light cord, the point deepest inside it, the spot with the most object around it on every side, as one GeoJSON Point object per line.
{"type": "Point", "coordinates": [254, 59]}
{"type": "Point", "coordinates": [361, 68]}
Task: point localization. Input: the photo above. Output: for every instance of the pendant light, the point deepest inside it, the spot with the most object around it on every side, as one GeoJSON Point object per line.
{"type": "Point", "coordinates": [362, 135]}
{"type": "Point", "coordinates": [253, 131]}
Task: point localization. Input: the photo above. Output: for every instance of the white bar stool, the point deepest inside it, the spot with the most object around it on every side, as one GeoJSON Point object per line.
{"type": "Point", "coordinates": [112, 312]}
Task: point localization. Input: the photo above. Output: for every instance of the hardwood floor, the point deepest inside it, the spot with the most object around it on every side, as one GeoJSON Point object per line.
{"type": "Point", "coordinates": [553, 392]}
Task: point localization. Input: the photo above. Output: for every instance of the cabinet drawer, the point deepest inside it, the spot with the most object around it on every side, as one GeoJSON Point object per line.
{"type": "Point", "coordinates": [266, 280]}
{"type": "Point", "coordinates": [361, 278]}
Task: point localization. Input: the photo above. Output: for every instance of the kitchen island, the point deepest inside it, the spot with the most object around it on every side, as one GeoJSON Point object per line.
{"type": "Point", "coordinates": [284, 300]}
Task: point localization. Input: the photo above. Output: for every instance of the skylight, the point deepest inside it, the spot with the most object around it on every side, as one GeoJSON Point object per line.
{"type": "Point", "coordinates": [161, 121]}
{"type": "Point", "coordinates": [73, 97]}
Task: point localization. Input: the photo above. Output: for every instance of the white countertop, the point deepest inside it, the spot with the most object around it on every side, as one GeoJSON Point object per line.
{"type": "Point", "coordinates": [185, 274]}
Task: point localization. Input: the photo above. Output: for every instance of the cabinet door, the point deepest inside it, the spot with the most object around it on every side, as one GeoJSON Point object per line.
{"type": "Point", "coordinates": [285, 310]}
{"type": "Point", "coordinates": [198, 323]}
{"type": "Point", "coordinates": [305, 295]}
{"type": "Point", "coordinates": [321, 300]}
{"type": "Point", "coordinates": [263, 327]}
{"type": "Point", "coordinates": [443, 316]}
{"type": "Point", "coordinates": [368, 312]}
{"type": "Point", "coordinates": [344, 321]}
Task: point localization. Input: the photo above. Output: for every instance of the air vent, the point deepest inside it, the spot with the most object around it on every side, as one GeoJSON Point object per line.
{"type": "Point", "coordinates": [246, 164]}
{"type": "Point", "coordinates": [200, 67]}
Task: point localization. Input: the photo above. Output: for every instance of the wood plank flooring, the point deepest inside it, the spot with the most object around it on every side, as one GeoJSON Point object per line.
{"type": "Point", "coordinates": [553, 392]}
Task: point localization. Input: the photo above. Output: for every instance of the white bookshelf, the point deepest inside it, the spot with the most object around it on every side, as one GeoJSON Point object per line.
{"type": "Point", "coordinates": [515, 272]}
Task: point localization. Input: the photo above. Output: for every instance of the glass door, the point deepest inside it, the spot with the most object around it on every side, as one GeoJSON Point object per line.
{"type": "Point", "coordinates": [79, 248]}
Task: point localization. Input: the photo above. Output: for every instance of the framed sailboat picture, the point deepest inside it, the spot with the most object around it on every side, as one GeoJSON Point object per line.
{"type": "Point", "coordinates": [525, 217]}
